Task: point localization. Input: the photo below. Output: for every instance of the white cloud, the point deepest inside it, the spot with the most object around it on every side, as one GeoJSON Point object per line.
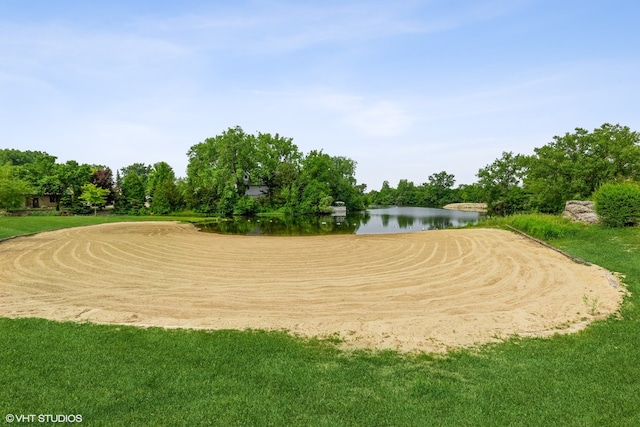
{"type": "Point", "coordinates": [369, 117]}
{"type": "Point", "coordinates": [381, 119]}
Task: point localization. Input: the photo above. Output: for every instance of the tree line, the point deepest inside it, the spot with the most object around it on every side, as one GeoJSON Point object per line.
{"type": "Point", "coordinates": [571, 167]}
{"type": "Point", "coordinates": [231, 173]}
{"type": "Point", "coordinates": [240, 173]}
{"type": "Point", "coordinates": [437, 192]}
{"type": "Point", "coordinates": [226, 173]}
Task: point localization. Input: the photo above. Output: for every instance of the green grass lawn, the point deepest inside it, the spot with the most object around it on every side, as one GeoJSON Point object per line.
{"type": "Point", "coordinates": [124, 376]}
{"type": "Point", "coordinates": [19, 225]}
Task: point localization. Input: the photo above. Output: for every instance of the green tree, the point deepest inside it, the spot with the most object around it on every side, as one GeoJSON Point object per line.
{"type": "Point", "coordinates": [502, 184]}
{"type": "Point", "coordinates": [166, 198]}
{"type": "Point", "coordinates": [73, 176]}
{"type": "Point", "coordinates": [385, 197]}
{"type": "Point", "coordinates": [291, 198]}
{"type": "Point", "coordinates": [344, 184]}
{"type": "Point", "coordinates": [470, 193]}
{"type": "Point", "coordinates": [217, 169]}
{"type": "Point", "coordinates": [323, 177]}
{"type": "Point", "coordinates": [573, 166]}
{"type": "Point", "coordinates": [23, 158]}
{"type": "Point", "coordinates": [162, 189]}
{"type": "Point", "coordinates": [13, 190]}
{"type": "Point", "coordinates": [94, 196]}
{"type": "Point", "coordinates": [276, 165]}
{"type": "Point", "coordinates": [439, 189]}
{"type": "Point", "coordinates": [222, 168]}
{"type": "Point", "coordinates": [407, 194]}
{"type": "Point", "coordinates": [132, 195]}
{"type": "Point", "coordinates": [159, 173]}
{"type": "Point", "coordinates": [139, 169]}
{"type": "Point", "coordinates": [38, 169]}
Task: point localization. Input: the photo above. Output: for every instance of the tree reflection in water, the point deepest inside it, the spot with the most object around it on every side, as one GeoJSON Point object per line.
{"type": "Point", "coordinates": [372, 221]}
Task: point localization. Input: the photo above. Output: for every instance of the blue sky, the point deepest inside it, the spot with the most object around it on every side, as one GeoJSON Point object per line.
{"type": "Point", "coordinates": [404, 88]}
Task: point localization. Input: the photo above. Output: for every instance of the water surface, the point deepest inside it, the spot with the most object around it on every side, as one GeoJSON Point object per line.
{"type": "Point", "coordinates": [372, 221]}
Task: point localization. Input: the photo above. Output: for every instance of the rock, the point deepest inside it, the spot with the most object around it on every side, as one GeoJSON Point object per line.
{"type": "Point", "coordinates": [581, 211]}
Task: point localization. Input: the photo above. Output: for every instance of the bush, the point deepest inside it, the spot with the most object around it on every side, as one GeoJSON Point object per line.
{"type": "Point", "coordinates": [618, 205]}
{"type": "Point", "coordinates": [246, 206]}
{"type": "Point", "coordinates": [79, 207]}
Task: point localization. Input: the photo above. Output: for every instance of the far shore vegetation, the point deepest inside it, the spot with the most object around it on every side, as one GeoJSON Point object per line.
{"type": "Point", "coordinates": [236, 173]}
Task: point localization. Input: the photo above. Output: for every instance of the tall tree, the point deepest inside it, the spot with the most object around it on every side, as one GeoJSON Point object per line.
{"type": "Point", "coordinates": [21, 158]}
{"type": "Point", "coordinates": [315, 183]}
{"type": "Point", "coordinates": [439, 189]}
{"type": "Point", "coordinates": [276, 165]}
{"type": "Point", "coordinates": [133, 194]}
{"type": "Point", "coordinates": [221, 169]}
{"type": "Point", "coordinates": [37, 168]}
{"type": "Point", "coordinates": [386, 196]}
{"type": "Point", "coordinates": [325, 179]}
{"type": "Point", "coordinates": [574, 165]}
{"type": "Point", "coordinates": [217, 168]}
{"type": "Point", "coordinates": [502, 184]}
{"type": "Point", "coordinates": [139, 169]}
{"type": "Point", "coordinates": [158, 173]}
{"type": "Point", "coordinates": [162, 189]}
{"type": "Point", "coordinates": [407, 194]}
{"type": "Point", "coordinates": [73, 176]}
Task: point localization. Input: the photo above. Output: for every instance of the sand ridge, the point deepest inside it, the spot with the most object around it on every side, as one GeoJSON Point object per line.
{"type": "Point", "coordinates": [431, 290]}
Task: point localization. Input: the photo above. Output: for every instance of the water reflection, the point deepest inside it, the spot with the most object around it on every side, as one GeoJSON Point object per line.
{"type": "Point", "coordinates": [284, 226]}
{"type": "Point", "coordinates": [407, 219]}
{"type": "Point", "coordinates": [372, 221]}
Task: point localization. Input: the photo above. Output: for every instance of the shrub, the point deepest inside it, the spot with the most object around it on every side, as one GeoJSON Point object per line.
{"type": "Point", "coordinates": [618, 205]}
{"type": "Point", "coordinates": [246, 206]}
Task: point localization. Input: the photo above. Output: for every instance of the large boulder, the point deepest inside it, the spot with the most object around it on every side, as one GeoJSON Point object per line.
{"type": "Point", "coordinates": [581, 211]}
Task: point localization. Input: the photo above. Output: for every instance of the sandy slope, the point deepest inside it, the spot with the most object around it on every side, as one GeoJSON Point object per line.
{"type": "Point", "coordinates": [430, 290]}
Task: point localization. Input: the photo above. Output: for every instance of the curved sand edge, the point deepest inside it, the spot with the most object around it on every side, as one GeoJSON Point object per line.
{"type": "Point", "coordinates": [428, 291]}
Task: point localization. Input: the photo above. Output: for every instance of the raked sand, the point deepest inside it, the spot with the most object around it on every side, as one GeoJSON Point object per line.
{"type": "Point", "coordinates": [429, 291]}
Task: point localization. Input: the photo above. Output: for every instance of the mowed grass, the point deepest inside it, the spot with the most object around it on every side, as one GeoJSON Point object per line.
{"type": "Point", "coordinates": [20, 225]}
{"type": "Point", "coordinates": [121, 376]}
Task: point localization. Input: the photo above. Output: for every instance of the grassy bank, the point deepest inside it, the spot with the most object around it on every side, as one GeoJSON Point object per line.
{"type": "Point", "coordinates": [20, 225]}
{"type": "Point", "coordinates": [128, 376]}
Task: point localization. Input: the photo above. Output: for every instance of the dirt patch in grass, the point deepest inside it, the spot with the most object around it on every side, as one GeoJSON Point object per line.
{"type": "Point", "coordinates": [432, 290]}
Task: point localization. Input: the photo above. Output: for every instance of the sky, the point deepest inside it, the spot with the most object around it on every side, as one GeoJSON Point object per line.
{"type": "Point", "coordinates": [405, 88]}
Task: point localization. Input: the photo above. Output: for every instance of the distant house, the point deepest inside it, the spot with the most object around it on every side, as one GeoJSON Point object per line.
{"type": "Point", "coordinates": [42, 201]}
{"type": "Point", "coordinates": [254, 191]}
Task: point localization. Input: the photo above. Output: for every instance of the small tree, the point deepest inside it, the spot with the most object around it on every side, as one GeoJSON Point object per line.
{"type": "Point", "coordinates": [618, 205]}
{"type": "Point", "coordinates": [94, 196]}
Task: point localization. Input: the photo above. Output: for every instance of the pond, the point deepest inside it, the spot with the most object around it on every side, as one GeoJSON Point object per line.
{"type": "Point", "coordinates": [372, 221]}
